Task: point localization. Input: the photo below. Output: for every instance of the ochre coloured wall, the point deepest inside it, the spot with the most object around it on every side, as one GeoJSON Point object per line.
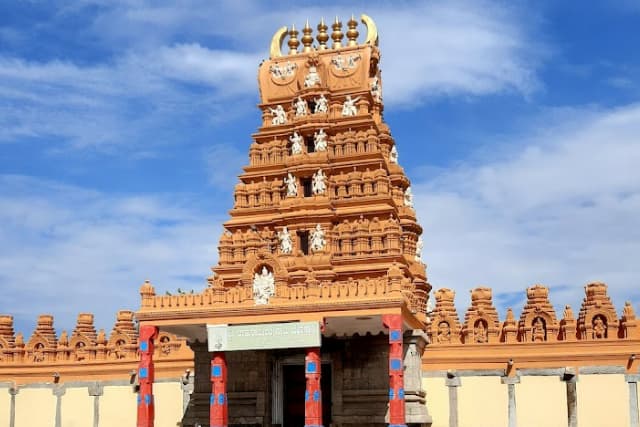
{"type": "Point", "coordinates": [482, 402]}
{"type": "Point", "coordinates": [5, 402]}
{"type": "Point", "coordinates": [603, 401]}
{"type": "Point", "coordinates": [168, 398]}
{"type": "Point", "coordinates": [541, 401]}
{"type": "Point", "coordinates": [77, 407]}
{"type": "Point", "coordinates": [118, 406]}
{"type": "Point", "coordinates": [437, 400]}
{"type": "Point", "coordinates": [35, 407]}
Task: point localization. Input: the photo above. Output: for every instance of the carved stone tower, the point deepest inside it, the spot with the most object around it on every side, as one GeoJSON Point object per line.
{"type": "Point", "coordinates": [323, 229]}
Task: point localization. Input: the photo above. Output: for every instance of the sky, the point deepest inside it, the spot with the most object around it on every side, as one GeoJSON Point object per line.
{"type": "Point", "coordinates": [124, 123]}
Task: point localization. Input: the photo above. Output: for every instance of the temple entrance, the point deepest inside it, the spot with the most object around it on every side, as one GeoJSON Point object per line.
{"type": "Point", "coordinates": [293, 388]}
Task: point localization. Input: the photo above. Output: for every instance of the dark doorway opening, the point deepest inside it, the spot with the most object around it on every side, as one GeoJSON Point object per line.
{"type": "Point", "coordinates": [303, 240]}
{"type": "Point", "coordinates": [294, 386]}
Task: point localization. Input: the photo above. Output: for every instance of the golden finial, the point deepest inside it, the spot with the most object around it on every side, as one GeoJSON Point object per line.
{"type": "Point", "coordinates": [293, 41]}
{"type": "Point", "coordinates": [337, 34]}
{"type": "Point", "coordinates": [307, 38]}
{"type": "Point", "coordinates": [352, 33]}
{"type": "Point", "coordinates": [322, 36]}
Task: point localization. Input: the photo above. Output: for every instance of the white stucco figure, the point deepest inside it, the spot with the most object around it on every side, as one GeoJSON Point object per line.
{"type": "Point", "coordinates": [408, 197]}
{"type": "Point", "coordinates": [300, 106]}
{"type": "Point", "coordinates": [349, 106]}
{"type": "Point", "coordinates": [376, 90]}
{"type": "Point", "coordinates": [263, 286]}
{"type": "Point", "coordinates": [292, 185]}
{"type": "Point", "coordinates": [419, 247]}
{"type": "Point", "coordinates": [279, 115]}
{"type": "Point", "coordinates": [393, 155]}
{"type": "Point", "coordinates": [318, 184]}
{"type": "Point", "coordinates": [322, 105]}
{"type": "Point", "coordinates": [320, 140]}
{"type": "Point", "coordinates": [296, 143]}
{"type": "Point", "coordinates": [317, 239]}
{"type": "Point", "coordinates": [282, 72]}
{"type": "Point", "coordinates": [286, 246]}
{"type": "Point", "coordinates": [312, 78]}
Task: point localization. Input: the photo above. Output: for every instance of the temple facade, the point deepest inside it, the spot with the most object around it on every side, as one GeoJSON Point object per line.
{"type": "Point", "coordinates": [318, 311]}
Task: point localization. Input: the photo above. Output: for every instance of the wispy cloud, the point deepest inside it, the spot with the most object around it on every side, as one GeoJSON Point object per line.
{"type": "Point", "coordinates": [560, 209]}
{"type": "Point", "coordinates": [67, 249]}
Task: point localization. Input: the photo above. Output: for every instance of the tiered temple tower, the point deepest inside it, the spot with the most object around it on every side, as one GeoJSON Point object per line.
{"type": "Point", "coordinates": [323, 231]}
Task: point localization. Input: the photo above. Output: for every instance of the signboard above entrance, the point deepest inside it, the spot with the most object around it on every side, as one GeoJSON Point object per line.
{"type": "Point", "coordinates": [263, 336]}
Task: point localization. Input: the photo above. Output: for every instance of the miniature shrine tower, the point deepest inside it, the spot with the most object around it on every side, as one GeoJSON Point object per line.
{"type": "Point", "coordinates": [316, 309]}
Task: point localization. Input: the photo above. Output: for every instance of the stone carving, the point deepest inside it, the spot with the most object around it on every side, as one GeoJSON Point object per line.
{"type": "Point", "coordinates": [312, 78]}
{"type": "Point", "coordinates": [444, 333]}
{"type": "Point", "coordinates": [538, 330]}
{"type": "Point", "coordinates": [263, 286]}
{"type": "Point", "coordinates": [342, 64]}
{"type": "Point", "coordinates": [292, 185]}
{"type": "Point", "coordinates": [296, 143]}
{"type": "Point", "coordinates": [480, 333]}
{"type": "Point", "coordinates": [318, 185]}
{"type": "Point", "coordinates": [38, 353]}
{"type": "Point", "coordinates": [408, 198]}
{"type": "Point", "coordinates": [282, 71]}
{"type": "Point", "coordinates": [419, 247]}
{"type": "Point", "coordinates": [119, 351]}
{"type": "Point", "coordinates": [599, 328]}
{"type": "Point", "coordinates": [321, 105]}
{"type": "Point", "coordinates": [349, 106]}
{"type": "Point", "coordinates": [81, 351]}
{"type": "Point", "coordinates": [300, 106]}
{"type": "Point", "coordinates": [286, 246]}
{"type": "Point", "coordinates": [317, 239]}
{"type": "Point", "coordinates": [279, 115]}
{"type": "Point", "coordinates": [165, 345]}
{"type": "Point", "coordinates": [376, 90]}
{"type": "Point", "coordinates": [393, 155]}
{"type": "Point", "coordinates": [320, 140]}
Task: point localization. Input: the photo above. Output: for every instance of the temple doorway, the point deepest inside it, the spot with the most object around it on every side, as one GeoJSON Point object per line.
{"type": "Point", "coordinates": [293, 388]}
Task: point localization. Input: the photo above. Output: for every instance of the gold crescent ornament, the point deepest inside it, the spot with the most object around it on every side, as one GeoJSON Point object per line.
{"type": "Point", "coordinates": [372, 30]}
{"type": "Point", "coordinates": [276, 43]}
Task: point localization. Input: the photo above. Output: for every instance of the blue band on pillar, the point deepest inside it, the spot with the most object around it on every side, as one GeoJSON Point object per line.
{"type": "Point", "coordinates": [216, 371]}
{"type": "Point", "coordinates": [144, 346]}
{"type": "Point", "coordinates": [312, 368]}
{"type": "Point", "coordinates": [395, 335]}
{"type": "Point", "coordinates": [144, 373]}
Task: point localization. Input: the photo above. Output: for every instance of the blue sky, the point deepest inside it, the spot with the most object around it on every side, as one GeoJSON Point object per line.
{"type": "Point", "coordinates": [123, 125]}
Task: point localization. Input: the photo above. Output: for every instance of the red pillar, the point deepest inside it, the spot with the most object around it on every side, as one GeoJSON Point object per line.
{"type": "Point", "coordinates": [313, 394]}
{"type": "Point", "coordinates": [219, 412]}
{"type": "Point", "coordinates": [396, 371]}
{"type": "Point", "coordinates": [146, 376]}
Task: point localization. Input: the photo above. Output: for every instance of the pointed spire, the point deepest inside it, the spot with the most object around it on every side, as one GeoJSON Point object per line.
{"type": "Point", "coordinates": [322, 36]}
{"type": "Point", "coordinates": [352, 33]}
{"type": "Point", "coordinates": [337, 34]}
{"type": "Point", "coordinates": [307, 38]}
{"type": "Point", "coordinates": [293, 40]}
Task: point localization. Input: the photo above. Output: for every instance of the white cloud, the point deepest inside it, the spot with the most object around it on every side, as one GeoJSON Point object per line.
{"type": "Point", "coordinates": [560, 209]}
{"type": "Point", "coordinates": [66, 249]}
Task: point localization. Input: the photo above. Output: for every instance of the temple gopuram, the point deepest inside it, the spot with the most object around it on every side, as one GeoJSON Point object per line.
{"type": "Point", "coordinates": [319, 311]}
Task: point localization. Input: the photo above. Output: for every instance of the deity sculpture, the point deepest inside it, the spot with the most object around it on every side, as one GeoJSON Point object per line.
{"type": "Point", "coordinates": [408, 198]}
{"type": "Point", "coordinates": [119, 351]}
{"type": "Point", "coordinates": [393, 155]}
{"type": "Point", "coordinates": [318, 185]}
{"type": "Point", "coordinates": [263, 286]}
{"type": "Point", "coordinates": [480, 333]}
{"type": "Point", "coordinates": [419, 247]}
{"type": "Point", "coordinates": [38, 353]}
{"type": "Point", "coordinates": [599, 328]}
{"type": "Point", "coordinates": [300, 106]}
{"type": "Point", "coordinates": [286, 245]}
{"type": "Point", "coordinates": [279, 115]}
{"type": "Point", "coordinates": [538, 331]}
{"type": "Point", "coordinates": [444, 333]}
{"type": "Point", "coordinates": [165, 345]}
{"type": "Point", "coordinates": [349, 106]}
{"type": "Point", "coordinates": [282, 72]}
{"type": "Point", "coordinates": [322, 105]}
{"type": "Point", "coordinates": [296, 143]}
{"type": "Point", "coordinates": [320, 140]}
{"type": "Point", "coordinates": [81, 351]}
{"type": "Point", "coordinates": [317, 239]}
{"type": "Point", "coordinates": [376, 91]}
{"type": "Point", "coordinates": [312, 78]}
{"type": "Point", "coordinates": [292, 185]}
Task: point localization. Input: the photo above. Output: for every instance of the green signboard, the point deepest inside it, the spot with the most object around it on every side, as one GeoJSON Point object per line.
{"type": "Point", "coordinates": [263, 336]}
